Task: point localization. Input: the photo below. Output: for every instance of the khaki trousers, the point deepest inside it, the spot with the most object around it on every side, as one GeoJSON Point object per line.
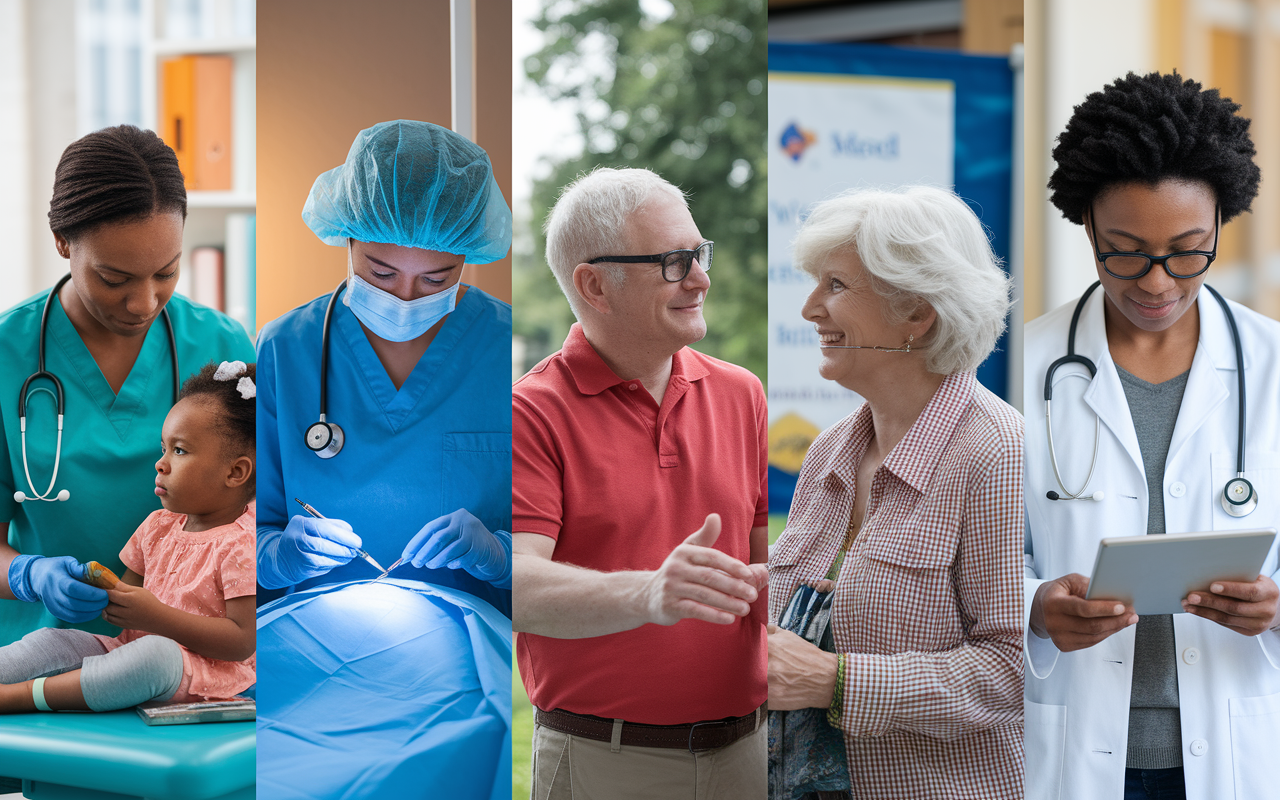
{"type": "Point", "coordinates": [569, 767]}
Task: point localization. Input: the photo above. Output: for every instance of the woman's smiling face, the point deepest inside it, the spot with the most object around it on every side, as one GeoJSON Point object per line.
{"type": "Point", "coordinates": [845, 312]}
{"type": "Point", "coordinates": [1168, 217]}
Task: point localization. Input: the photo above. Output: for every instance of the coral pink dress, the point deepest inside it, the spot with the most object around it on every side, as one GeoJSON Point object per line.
{"type": "Point", "coordinates": [196, 572]}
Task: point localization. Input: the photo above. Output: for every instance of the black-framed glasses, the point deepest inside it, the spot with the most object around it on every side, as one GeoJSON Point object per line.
{"type": "Point", "coordinates": [675, 263]}
{"type": "Point", "coordinates": [1129, 266]}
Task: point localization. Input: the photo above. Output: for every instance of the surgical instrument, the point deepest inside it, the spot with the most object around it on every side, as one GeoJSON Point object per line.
{"type": "Point", "coordinates": [390, 569]}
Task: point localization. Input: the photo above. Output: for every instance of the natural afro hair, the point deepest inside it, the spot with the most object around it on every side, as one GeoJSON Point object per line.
{"type": "Point", "coordinates": [236, 423]}
{"type": "Point", "coordinates": [1145, 129]}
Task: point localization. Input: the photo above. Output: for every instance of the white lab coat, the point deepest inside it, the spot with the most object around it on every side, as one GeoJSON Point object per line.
{"type": "Point", "coordinates": [1077, 704]}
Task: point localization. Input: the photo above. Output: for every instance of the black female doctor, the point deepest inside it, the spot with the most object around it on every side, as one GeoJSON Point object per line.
{"type": "Point", "coordinates": [1152, 167]}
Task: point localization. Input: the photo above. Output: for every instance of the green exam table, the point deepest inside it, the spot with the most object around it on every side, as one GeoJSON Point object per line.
{"type": "Point", "coordinates": [115, 756]}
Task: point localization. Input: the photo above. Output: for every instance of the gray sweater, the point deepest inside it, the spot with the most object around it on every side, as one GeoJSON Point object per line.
{"type": "Point", "coordinates": [1155, 734]}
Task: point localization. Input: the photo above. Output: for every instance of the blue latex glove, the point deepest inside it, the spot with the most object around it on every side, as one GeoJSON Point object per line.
{"type": "Point", "coordinates": [57, 583]}
{"type": "Point", "coordinates": [306, 548]}
{"type": "Point", "coordinates": [460, 541]}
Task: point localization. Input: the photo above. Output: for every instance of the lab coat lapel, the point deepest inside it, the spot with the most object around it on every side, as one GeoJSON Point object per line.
{"type": "Point", "coordinates": [1105, 394]}
{"type": "Point", "coordinates": [120, 410]}
{"type": "Point", "coordinates": [1214, 364]}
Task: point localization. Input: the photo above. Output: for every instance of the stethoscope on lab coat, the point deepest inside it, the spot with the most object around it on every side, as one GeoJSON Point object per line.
{"type": "Point", "coordinates": [1239, 498]}
{"type": "Point", "coordinates": [59, 399]}
{"type": "Point", "coordinates": [325, 438]}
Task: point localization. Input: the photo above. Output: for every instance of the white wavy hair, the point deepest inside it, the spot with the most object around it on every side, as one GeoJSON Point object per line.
{"type": "Point", "coordinates": [917, 243]}
{"type": "Point", "coordinates": [590, 218]}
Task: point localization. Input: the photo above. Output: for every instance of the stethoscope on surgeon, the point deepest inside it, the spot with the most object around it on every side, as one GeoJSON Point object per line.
{"type": "Point", "coordinates": [1238, 496]}
{"type": "Point", "coordinates": [59, 399]}
{"type": "Point", "coordinates": [325, 438]}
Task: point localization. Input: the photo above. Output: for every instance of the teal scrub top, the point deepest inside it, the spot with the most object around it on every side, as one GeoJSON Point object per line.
{"type": "Point", "coordinates": [110, 443]}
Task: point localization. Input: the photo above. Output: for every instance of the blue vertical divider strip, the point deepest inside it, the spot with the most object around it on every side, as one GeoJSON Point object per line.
{"type": "Point", "coordinates": [983, 152]}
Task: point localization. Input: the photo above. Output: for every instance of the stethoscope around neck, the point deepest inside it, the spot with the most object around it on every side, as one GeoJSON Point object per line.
{"type": "Point", "coordinates": [59, 399]}
{"type": "Point", "coordinates": [1239, 498]}
{"type": "Point", "coordinates": [325, 438]}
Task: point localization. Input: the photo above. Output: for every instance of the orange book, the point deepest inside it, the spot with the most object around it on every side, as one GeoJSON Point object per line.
{"type": "Point", "coordinates": [195, 119]}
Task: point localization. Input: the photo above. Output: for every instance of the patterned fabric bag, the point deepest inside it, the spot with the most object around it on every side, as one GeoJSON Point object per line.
{"type": "Point", "coordinates": [806, 754]}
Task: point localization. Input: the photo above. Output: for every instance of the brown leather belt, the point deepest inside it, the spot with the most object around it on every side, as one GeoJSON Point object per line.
{"type": "Point", "coordinates": [698, 736]}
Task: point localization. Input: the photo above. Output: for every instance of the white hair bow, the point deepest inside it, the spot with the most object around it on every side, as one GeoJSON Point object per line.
{"type": "Point", "coordinates": [228, 370]}
{"type": "Point", "coordinates": [246, 388]}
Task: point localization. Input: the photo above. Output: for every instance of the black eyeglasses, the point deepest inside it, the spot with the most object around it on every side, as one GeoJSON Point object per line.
{"type": "Point", "coordinates": [1132, 265]}
{"type": "Point", "coordinates": [675, 263]}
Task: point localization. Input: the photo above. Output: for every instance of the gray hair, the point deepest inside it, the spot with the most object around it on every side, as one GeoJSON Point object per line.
{"type": "Point", "coordinates": [918, 243]}
{"type": "Point", "coordinates": [590, 218]}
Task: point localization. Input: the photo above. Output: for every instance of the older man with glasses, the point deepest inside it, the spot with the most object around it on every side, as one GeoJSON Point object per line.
{"type": "Point", "coordinates": [639, 501]}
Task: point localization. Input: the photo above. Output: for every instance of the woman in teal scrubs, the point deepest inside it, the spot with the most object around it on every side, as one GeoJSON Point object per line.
{"type": "Point", "coordinates": [117, 215]}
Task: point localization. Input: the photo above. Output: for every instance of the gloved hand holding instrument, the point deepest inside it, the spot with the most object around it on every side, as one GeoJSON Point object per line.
{"type": "Point", "coordinates": [306, 548]}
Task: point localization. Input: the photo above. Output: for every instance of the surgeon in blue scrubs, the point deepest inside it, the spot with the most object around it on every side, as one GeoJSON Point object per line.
{"type": "Point", "coordinates": [399, 688]}
{"type": "Point", "coordinates": [117, 216]}
{"type": "Point", "coordinates": [418, 379]}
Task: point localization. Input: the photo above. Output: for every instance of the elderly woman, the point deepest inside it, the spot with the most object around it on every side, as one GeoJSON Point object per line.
{"type": "Point", "coordinates": [908, 511]}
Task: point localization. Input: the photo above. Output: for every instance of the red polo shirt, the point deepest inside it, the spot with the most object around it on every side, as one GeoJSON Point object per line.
{"type": "Point", "coordinates": [619, 481]}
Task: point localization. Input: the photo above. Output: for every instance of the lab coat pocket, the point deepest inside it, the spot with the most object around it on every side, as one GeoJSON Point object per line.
{"type": "Point", "coordinates": [1255, 730]}
{"type": "Point", "coordinates": [477, 477]}
{"type": "Point", "coordinates": [1045, 743]}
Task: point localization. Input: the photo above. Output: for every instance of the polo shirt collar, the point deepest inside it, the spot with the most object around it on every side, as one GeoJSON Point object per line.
{"type": "Point", "coordinates": [592, 376]}
{"type": "Point", "coordinates": [914, 458]}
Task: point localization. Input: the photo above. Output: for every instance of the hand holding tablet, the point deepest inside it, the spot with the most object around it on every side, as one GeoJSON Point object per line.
{"type": "Point", "coordinates": [1157, 573]}
{"type": "Point", "coordinates": [1247, 608]}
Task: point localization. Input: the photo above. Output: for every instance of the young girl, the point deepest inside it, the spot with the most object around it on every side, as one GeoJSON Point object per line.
{"type": "Point", "coordinates": [186, 602]}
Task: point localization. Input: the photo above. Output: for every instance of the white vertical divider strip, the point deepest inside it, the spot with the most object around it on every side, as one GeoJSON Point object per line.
{"type": "Point", "coordinates": [460, 37]}
{"type": "Point", "coordinates": [1017, 237]}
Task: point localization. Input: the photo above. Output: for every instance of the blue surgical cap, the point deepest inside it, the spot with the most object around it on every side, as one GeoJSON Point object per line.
{"type": "Point", "coordinates": [413, 184]}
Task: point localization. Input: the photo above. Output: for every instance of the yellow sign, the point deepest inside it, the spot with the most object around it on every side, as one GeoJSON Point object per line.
{"type": "Point", "coordinates": [789, 439]}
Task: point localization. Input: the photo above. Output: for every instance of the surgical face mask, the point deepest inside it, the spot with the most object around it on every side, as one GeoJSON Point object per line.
{"type": "Point", "coordinates": [390, 317]}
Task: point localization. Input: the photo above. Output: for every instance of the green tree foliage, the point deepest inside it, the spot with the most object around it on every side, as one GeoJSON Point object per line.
{"type": "Point", "coordinates": [684, 97]}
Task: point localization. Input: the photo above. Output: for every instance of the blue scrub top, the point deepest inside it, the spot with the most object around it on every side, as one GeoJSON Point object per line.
{"type": "Point", "coordinates": [110, 443]}
{"type": "Point", "coordinates": [440, 443]}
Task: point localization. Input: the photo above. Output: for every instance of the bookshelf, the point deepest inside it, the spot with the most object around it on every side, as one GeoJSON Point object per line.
{"type": "Point", "coordinates": [221, 219]}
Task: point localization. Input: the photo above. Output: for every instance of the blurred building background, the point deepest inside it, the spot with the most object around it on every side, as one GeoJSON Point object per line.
{"type": "Point", "coordinates": [1075, 47]}
{"type": "Point", "coordinates": [973, 26]}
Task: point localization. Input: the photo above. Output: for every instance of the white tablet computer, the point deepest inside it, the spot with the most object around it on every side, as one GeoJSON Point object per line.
{"type": "Point", "coordinates": [1155, 572]}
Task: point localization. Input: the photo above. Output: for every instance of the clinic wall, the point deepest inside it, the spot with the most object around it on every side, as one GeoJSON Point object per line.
{"type": "Point", "coordinates": [37, 105]}
{"type": "Point", "coordinates": [1081, 57]}
{"type": "Point", "coordinates": [328, 69]}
